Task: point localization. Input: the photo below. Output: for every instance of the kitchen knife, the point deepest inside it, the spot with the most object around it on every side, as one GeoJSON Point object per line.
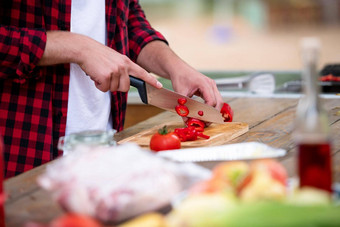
{"type": "Point", "coordinates": [167, 100]}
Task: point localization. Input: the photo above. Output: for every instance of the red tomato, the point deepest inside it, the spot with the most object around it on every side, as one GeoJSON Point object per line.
{"type": "Point", "coordinates": [162, 140]}
{"type": "Point", "coordinates": [74, 220]}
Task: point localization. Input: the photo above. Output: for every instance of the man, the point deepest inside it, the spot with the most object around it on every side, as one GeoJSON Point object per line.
{"type": "Point", "coordinates": [65, 67]}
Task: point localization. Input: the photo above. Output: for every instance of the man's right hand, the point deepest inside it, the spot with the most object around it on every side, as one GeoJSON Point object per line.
{"type": "Point", "coordinates": [109, 69]}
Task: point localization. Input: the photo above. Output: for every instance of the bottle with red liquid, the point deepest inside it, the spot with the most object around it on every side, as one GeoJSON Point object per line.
{"type": "Point", "coordinates": [312, 134]}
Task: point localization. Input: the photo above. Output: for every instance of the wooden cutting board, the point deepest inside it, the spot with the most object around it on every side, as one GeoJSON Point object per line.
{"type": "Point", "coordinates": [219, 134]}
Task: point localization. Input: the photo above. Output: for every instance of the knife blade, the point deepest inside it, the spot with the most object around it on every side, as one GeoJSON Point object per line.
{"type": "Point", "coordinates": [167, 100]}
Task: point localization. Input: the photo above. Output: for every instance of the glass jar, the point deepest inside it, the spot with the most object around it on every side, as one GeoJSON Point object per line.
{"type": "Point", "coordinates": [92, 138]}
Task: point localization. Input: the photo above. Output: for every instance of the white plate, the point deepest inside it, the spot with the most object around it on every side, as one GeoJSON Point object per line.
{"type": "Point", "coordinates": [230, 152]}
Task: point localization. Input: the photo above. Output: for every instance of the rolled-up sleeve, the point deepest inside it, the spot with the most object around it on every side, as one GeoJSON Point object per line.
{"type": "Point", "coordinates": [140, 30]}
{"type": "Point", "coordinates": [20, 51]}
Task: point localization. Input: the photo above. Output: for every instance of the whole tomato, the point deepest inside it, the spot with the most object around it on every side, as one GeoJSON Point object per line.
{"type": "Point", "coordinates": [164, 140]}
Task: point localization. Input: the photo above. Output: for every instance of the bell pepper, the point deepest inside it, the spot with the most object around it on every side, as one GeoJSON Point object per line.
{"type": "Point", "coordinates": [181, 101]}
{"type": "Point", "coordinates": [194, 127]}
{"type": "Point", "coordinates": [182, 110]}
{"type": "Point", "coordinates": [186, 134]}
{"type": "Point", "coordinates": [189, 134]}
{"type": "Point", "coordinates": [198, 124]}
{"type": "Point", "coordinates": [227, 113]}
{"type": "Point", "coordinates": [204, 136]}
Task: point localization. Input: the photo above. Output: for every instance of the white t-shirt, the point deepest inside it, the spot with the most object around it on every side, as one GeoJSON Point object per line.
{"type": "Point", "coordinates": [88, 108]}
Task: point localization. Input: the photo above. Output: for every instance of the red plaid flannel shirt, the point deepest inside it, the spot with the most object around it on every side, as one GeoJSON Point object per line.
{"type": "Point", "coordinates": [33, 100]}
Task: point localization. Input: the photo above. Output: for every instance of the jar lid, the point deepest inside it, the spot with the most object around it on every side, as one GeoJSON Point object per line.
{"type": "Point", "coordinates": [87, 138]}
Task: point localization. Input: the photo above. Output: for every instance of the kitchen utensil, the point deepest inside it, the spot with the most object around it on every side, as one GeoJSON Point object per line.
{"type": "Point", "coordinates": [295, 86]}
{"type": "Point", "coordinates": [257, 82]}
{"type": "Point", "coordinates": [168, 100]}
{"type": "Point", "coordinates": [219, 134]}
{"type": "Point", "coordinates": [229, 152]}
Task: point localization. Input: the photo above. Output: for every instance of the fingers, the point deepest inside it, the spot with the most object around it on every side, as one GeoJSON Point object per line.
{"type": "Point", "coordinates": [120, 80]}
{"type": "Point", "coordinates": [115, 76]}
{"type": "Point", "coordinates": [114, 81]}
{"type": "Point", "coordinates": [137, 71]}
{"type": "Point", "coordinates": [124, 83]}
{"type": "Point", "coordinates": [110, 69]}
{"type": "Point", "coordinates": [199, 85]}
{"type": "Point", "coordinates": [209, 94]}
{"type": "Point", "coordinates": [218, 96]}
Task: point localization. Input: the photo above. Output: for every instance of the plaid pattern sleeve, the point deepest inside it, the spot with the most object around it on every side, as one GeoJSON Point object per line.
{"type": "Point", "coordinates": [20, 51]}
{"type": "Point", "coordinates": [32, 112]}
{"type": "Point", "coordinates": [140, 30]}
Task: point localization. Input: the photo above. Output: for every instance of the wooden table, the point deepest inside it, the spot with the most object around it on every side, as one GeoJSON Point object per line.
{"type": "Point", "coordinates": [271, 121]}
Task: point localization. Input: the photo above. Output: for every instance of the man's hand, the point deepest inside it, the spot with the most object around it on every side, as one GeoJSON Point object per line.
{"type": "Point", "coordinates": [190, 82]}
{"type": "Point", "coordinates": [109, 69]}
{"type": "Point", "coordinates": [158, 58]}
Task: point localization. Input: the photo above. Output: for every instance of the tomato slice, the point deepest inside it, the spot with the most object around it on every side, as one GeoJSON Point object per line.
{"type": "Point", "coordinates": [227, 113]}
{"type": "Point", "coordinates": [182, 110]}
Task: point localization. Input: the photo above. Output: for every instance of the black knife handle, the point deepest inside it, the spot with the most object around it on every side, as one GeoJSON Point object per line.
{"type": "Point", "coordinates": [140, 85]}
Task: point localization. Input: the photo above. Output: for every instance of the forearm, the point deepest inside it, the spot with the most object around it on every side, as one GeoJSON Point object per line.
{"type": "Point", "coordinates": [109, 69]}
{"type": "Point", "coordinates": [63, 47]}
{"type": "Point", "coordinates": [158, 58]}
